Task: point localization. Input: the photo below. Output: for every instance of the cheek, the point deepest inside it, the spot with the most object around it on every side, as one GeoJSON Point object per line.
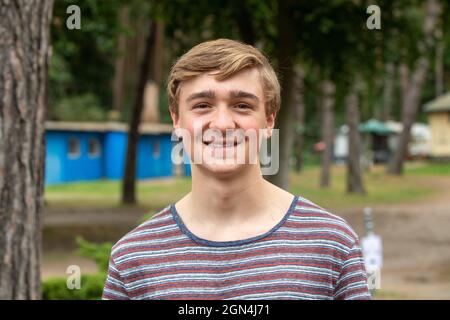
{"type": "Point", "coordinates": [189, 126]}
{"type": "Point", "coordinates": [192, 133]}
{"type": "Point", "coordinates": [255, 126]}
{"type": "Point", "coordinates": [251, 122]}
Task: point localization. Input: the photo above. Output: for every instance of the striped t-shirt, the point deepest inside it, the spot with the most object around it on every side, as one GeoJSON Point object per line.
{"type": "Point", "coordinates": [309, 254]}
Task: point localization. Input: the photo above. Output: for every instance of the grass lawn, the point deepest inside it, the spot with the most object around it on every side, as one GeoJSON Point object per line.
{"type": "Point", "coordinates": [431, 169]}
{"type": "Point", "coordinates": [152, 194]}
{"type": "Point", "coordinates": [416, 184]}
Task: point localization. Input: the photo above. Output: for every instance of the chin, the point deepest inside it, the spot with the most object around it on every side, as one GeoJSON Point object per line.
{"type": "Point", "coordinates": [223, 169]}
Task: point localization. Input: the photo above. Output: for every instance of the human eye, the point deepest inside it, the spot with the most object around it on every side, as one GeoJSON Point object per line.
{"type": "Point", "coordinates": [201, 106]}
{"type": "Point", "coordinates": [242, 106]}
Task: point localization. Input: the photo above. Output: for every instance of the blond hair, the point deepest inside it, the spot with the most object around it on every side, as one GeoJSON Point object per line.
{"type": "Point", "coordinates": [228, 57]}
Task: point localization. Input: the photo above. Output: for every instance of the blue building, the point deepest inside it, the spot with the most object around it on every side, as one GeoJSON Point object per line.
{"type": "Point", "coordinates": [80, 151]}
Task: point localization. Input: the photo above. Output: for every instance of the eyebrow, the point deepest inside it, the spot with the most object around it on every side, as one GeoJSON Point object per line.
{"type": "Point", "coordinates": [233, 94]}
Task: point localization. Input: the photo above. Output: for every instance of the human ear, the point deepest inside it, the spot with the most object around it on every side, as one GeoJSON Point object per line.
{"type": "Point", "coordinates": [176, 123]}
{"type": "Point", "coordinates": [270, 120]}
{"type": "Point", "coordinates": [175, 118]}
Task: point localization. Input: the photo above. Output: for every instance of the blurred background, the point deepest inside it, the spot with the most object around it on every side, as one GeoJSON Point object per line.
{"type": "Point", "coordinates": [364, 122]}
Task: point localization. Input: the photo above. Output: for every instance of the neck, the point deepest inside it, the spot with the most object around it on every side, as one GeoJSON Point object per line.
{"type": "Point", "coordinates": [227, 199]}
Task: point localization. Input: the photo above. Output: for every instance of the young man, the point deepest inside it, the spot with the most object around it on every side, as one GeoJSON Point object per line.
{"type": "Point", "coordinates": [234, 235]}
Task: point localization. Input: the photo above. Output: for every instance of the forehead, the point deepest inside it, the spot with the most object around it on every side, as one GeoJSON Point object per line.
{"type": "Point", "coordinates": [248, 80]}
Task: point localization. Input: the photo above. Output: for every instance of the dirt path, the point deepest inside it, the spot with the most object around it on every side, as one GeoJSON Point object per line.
{"type": "Point", "coordinates": [416, 245]}
{"type": "Point", "coordinates": [87, 216]}
{"type": "Point", "coordinates": [62, 226]}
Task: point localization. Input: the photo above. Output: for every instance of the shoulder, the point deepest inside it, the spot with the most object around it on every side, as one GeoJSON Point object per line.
{"type": "Point", "coordinates": [321, 224]}
{"type": "Point", "coordinates": [145, 235]}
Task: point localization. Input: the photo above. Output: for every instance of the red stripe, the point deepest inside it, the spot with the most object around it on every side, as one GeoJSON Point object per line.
{"type": "Point", "coordinates": [224, 258]}
{"type": "Point", "coordinates": [254, 266]}
{"type": "Point", "coordinates": [252, 290]}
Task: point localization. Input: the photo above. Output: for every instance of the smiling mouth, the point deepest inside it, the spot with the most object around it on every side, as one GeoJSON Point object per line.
{"type": "Point", "coordinates": [220, 145]}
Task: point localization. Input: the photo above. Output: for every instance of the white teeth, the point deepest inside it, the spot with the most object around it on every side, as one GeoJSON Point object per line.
{"type": "Point", "coordinates": [222, 145]}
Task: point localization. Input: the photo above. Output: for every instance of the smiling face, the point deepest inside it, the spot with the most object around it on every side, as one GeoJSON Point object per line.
{"type": "Point", "coordinates": [222, 120]}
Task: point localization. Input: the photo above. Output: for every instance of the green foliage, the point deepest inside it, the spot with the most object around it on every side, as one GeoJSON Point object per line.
{"type": "Point", "coordinates": [99, 253]}
{"type": "Point", "coordinates": [59, 76]}
{"type": "Point", "coordinates": [84, 107]}
{"type": "Point", "coordinates": [330, 39]}
{"type": "Point", "coordinates": [91, 285]}
{"type": "Point", "coordinates": [91, 288]}
{"type": "Point", "coordinates": [82, 60]}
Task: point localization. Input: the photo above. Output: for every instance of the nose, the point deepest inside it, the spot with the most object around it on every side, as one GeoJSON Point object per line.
{"type": "Point", "coordinates": [222, 119]}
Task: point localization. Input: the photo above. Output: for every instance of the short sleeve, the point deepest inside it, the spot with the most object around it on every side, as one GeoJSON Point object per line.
{"type": "Point", "coordinates": [114, 288]}
{"type": "Point", "coordinates": [352, 282]}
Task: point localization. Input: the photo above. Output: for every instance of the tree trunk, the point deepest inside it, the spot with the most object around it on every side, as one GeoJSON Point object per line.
{"type": "Point", "coordinates": [328, 90]}
{"type": "Point", "coordinates": [439, 68]}
{"type": "Point", "coordinates": [129, 178]}
{"type": "Point", "coordinates": [24, 60]}
{"type": "Point", "coordinates": [299, 115]}
{"type": "Point", "coordinates": [135, 47]}
{"type": "Point", "coordinates": [412, 88]}
{"type": "Point", "coordinates": [404, 79]}
{"type": "Point", "coordinates": [354, 173]}
{"type": "Point", "coordinates": [284, 122]}
{"type": "Point", "coordinates": [388, 92]}
{"type": "Point", "coordinates": [410, 106]}
{"type": "Point", "coordinates": [150, 113]}
{"type": "Point", "coordinates": [119, 65]}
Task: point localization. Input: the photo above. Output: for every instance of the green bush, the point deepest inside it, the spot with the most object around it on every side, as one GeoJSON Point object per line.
{"type": "Point", "coordinates": [91, 285]}
{"type": "Point", "coordinates": [99, 253]}
{"type": "Point", "coordinates": [91, 288]}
